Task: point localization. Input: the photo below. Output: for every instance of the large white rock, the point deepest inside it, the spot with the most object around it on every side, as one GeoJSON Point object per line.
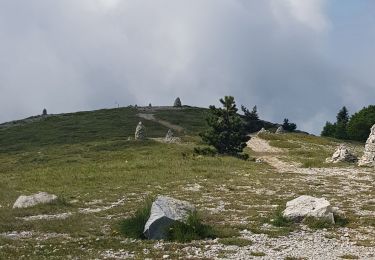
{"type": "Point", "coordinates": [368, 158]}
{"type": "Point", "coordinates": [35, 199]}
{"type": "Point", "coordinates": [170, 138]}
{"type": "Point", "coordinates": [307, 206]}
{"type": "Point", "coordinates": [342, 154]}
{"type": "Point", "coordinates": [164, 212]}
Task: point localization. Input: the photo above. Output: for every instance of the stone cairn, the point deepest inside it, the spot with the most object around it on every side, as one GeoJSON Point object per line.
{"type": "Point", "coordinates": [342, 154]}
{"type": "Point", "coordinates": [280, 130]}
{"type": "Point", "coordinates": [177, 102]}
{"type": "Point", "coordinates": [263, 131]}
{"type": "Point", "coordinates": [368, 158]}
{"type": "Point", "coordinates": [170, 138]}
{"type": "Point", "coordinates": [140, 132]}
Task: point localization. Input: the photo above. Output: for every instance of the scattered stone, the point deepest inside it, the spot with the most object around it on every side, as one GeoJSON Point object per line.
{"type": "Point", "coordinates": [177, 102]}
{"type": "Point", "coordinates": [48, 217]}
{"type": "Point", "coordinates": [259, 160]}
{"type": "Point", "coordinates": [342, 154]}
{"type": "Point", "coordinates": [307, 206]}
{"type": "Point", "coordinates": [263, 131]}
{"type": "Point", "coordinates": [140, 132]}
{"type": "Point", "coordinates": [169, 137]}
{"type": "Point", "coordinates": [280, 130]}
{"type": "Point", "coordinates": [35, 199]}
{"type": "Point", "coordinates": [368, 158]}
{"type": "Point", "coordinates": [164, 212]}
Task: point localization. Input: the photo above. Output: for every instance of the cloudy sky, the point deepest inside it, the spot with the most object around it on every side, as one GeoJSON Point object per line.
{"type": "Point", "coordinates": [301, 59]}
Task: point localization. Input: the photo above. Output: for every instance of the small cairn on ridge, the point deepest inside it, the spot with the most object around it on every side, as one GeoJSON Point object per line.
{"type": "Point", "coordinates": [368, 158]}
{"type": "Point", "coordinates": [263, 131]}
{"type": "Point", "coordinates": [177, 102]}
{"type": "Point", "coordinates": [342, 154]}
{"type": "Point", "coordinates": [170, 138]}
{"type": "Point", "coordinates": [280, 130]}
{"type": "Point", "coordinates": [140, 132]}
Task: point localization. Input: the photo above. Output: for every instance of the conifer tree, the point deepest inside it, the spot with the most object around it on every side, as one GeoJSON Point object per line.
{"type": "Point", "coordinates": [226, 130]}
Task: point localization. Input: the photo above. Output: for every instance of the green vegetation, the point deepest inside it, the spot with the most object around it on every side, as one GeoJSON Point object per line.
{"type": "Point", "coordinates": [289, 127]}
{"type": "Point", "coordinates": [348, 256]}
{"type": "Point", "coordinates": [235, 241]}
{"type": "Point", "coordinates": [360, 124]}
{"type": "Point", "coordinates": [226, 130]}
{"type": "Point", "coordinates": [357, 127]}
{"type": "Point", "coordinates": [257, 253]}
{"type": "Point", "coordinates": [133, 227]}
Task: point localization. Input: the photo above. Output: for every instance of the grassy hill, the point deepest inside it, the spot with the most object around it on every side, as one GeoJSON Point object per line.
{"type": "Point", "coordinates": [101, 177]}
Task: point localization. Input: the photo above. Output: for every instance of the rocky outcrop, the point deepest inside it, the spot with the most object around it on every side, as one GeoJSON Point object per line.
{"type": "Point", "coordinates": [368, 158]}
{"type": "Point", "coordinates": [33, 200]}
{"type": "Point", "coordinates": [280, 130]}
{"type": "Point", "coordinates": [164, 212]}
{"type": "Point", "coordinates": [140, 132]}
{"type": "Point", "coordinates": [342, 154]}
{"type": "Point", "coordinates": [307, 206]}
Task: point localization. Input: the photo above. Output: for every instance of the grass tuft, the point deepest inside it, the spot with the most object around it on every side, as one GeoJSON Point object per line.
{"type": "Point", "coordinates": [235, 241]}
{"type": "Point", "coordinates": [193, 229]}
{"type": "Point", "coordinates": [133, 227]}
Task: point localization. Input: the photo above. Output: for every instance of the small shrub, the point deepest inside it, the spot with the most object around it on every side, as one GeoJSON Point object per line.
{"type": "Point", "coordinates": [257, 253]}
{"type": "Point", "coordinates": [193, 229]}
{"type": "Point", "coordinates": [317, 223]}
{"type": "Point", "coordinates": [278, 220]}
{"type": "Point", "coordinates": [133, 226]}
{"type": "Point", "coordinates": [349, 256]}
{"type": "Point", "coordinates": [205, 151]}
{"type": "Point", "coordinates": [235, 241]}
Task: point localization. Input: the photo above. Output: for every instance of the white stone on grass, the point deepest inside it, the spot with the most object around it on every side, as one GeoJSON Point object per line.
{"type": "Point", "coordinates": [342, 154]}
{"type": "Point", "coordinates": [164, 212]}
{"type": "Point", "coordinates": [308, 206]}
{"type": "Point", "coordinates": [33, 200]}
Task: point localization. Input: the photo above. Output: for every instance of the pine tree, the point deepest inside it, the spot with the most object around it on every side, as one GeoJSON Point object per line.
{"type": "Point", "coordinates": [226, 130]}
{"type": "Point", "coordinates": [253, 124]}
{"type": "Point", "coordinates": [329, 130]}
{"type": "Point", "coordinates": [342, 124]}
{"type": "Point", "coordinates": [290, 127]}
{"type": "Point", "coordinates": [44, 113]}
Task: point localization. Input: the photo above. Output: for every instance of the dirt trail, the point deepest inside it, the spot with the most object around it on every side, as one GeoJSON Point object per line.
{"type": "Point", "coordinates": [167, 124]}
{"type": "Point", "coordinates": [269, 154]}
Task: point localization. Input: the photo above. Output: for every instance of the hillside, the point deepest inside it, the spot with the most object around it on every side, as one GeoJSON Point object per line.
{"type": "Point", "coordinates": [101, 176]}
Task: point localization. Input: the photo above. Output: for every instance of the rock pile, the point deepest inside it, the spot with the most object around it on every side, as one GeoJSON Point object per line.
{"type": "Point", "coordinates": [368, 158]}
{"type": "Point", "coordinates": [280, 130]}
{"type": "Point", "coordinates": [164, 212]}
{"type": "Point", "coordinates": [33, 200]}
{"type": "Point", "coordinates": [307, 206]}
{"type": "Point", "coordinates": [170, 138]}
{"type": "Point", "coordinates": [342, 154]}
{"type": "Point", "coordinates": [263, 131]}
{"type": "Point", "coordinates": [140, 132]}
{"type": "Point", "coordinates": [177, 102]}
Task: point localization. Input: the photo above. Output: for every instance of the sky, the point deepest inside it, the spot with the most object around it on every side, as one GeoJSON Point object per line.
{"type": "Point", "coordinates": [295, 59]}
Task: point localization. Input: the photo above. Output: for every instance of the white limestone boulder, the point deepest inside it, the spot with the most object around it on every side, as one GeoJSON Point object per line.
{"type": "Point", "coordinates": [368, 158]}
{"type": "Point", "coordinates": [308, 206]}
{"type": "Point", "coordinates": [342, 154]}
{"type": "Point", "coordinates": [164, 212]}
{"type": "Point", "coordinates": [34, 199]}
{"type": "Point", "coordinates": [280, 130]}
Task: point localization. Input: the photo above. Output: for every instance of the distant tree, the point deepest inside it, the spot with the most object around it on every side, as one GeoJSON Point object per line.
{"type": "Point", "coordinates": [342, 124]}
{"type": "Point", "coordinates": [251, 118]}
{"type": "Point", "coordinates": [177, 102]}
{"type": "Point", "coordinates": [329, 130]}
{"type": "Point", "coordinates": [226, 129]}
{"type": "Point", "coordinates": [149, 105]}
{"type": "Point", "coordinates": [360, 123]}
{"type": "Point", "coordinates": [44, 113]}
{"type": "Point", "coordinates": [290, 127]}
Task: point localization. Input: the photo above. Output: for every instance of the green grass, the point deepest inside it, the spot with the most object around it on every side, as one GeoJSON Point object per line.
{"type": "Point", "coordinates": [133, 227]}
{"type": "Point", "coordinates": [235, 241]}
{"type": "Point", "coordinates": [253, 253]}
{"type": "Point", "coordinates": [87, 161]}
{"type": "Point", "coordinates": [348, 256]}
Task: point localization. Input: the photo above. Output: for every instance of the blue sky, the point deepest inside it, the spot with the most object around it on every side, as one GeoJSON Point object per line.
{"type": "Point", "coordinates": [300, 59]}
